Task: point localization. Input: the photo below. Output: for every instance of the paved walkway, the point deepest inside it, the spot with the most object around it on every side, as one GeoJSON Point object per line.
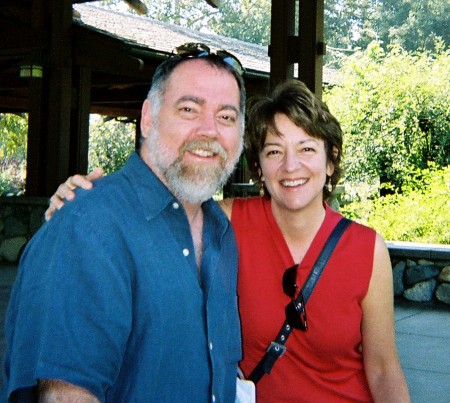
{"type": "Point", "coordinates": [423, 341]}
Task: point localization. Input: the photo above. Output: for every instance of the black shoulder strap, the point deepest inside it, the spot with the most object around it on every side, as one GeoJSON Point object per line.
{"type": "Point", "coordinates": [276, 348]}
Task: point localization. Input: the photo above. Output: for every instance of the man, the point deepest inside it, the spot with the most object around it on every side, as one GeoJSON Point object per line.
{"type": "Point", "coordinates": [129, 293]}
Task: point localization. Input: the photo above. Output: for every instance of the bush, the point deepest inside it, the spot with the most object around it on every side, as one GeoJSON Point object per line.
{"type": "Point", "coordinates": [393, 108]}
{"type": "Point", "coordinates": [419, 214]}
{"type": "Point", "coordinates": [13, 153]}
{"type": "Point", "coordinates": [110, 143]}
{"type": "Point", "coordinates": [12, 177]}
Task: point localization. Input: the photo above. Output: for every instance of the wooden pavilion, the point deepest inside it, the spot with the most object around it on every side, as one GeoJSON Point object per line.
{"type": "Point", "coordinates": [61, 60]}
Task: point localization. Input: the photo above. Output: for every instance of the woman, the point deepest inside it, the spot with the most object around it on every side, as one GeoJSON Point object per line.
{"type": "Point", "coordinates": [348, 352]}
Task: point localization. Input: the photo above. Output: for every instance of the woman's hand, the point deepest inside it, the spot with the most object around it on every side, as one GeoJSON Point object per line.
{"type": "Point", "coordinates": [65, 191]}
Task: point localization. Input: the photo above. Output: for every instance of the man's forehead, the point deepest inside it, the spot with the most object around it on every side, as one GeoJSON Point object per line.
{"type": "Point", "coordinates": [196, 77]}
{"type": "Point", "coordinates": [192, 70]}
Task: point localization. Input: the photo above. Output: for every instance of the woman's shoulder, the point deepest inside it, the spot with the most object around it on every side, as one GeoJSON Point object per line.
{"type": "Point", "coordinates": [356, 227]}
{"type": "Point", "coordinates": [248, 201]}
{"type": "Point", "coordinates": [248, 206]}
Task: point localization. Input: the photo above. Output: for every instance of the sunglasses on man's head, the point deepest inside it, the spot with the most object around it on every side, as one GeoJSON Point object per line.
{"type": "Point", "coordinates": [194, 50]}
{"type": "Point", "coordinates": [295, 311]}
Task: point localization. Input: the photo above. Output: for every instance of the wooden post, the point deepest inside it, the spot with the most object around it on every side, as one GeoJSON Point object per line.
{"type": "Point", "coordinates": [301, 44]}
{"type": "Point", "coordinates": [50, 115]}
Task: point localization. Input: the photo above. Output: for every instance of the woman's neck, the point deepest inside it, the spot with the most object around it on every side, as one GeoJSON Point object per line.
{"type": "Point", "coordinates": [299, 227]}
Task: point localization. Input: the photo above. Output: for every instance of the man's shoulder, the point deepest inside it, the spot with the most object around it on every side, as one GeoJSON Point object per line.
{"type": "Point", "coordinates": [109, 195]}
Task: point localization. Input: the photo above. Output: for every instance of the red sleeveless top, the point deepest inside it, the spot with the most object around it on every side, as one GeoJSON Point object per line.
{"type": "Point", "coordinates": [324, 363]}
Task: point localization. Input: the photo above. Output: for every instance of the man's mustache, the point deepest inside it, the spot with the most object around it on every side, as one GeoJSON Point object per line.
{"type": "Point", "coordinates": [205, 145]}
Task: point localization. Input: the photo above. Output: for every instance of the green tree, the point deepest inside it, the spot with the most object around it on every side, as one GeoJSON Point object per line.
{"type": "Point", "coordinates": [247, 20]}
{"type": "Point", "coordinates": [394, 110]}
{"type": "Point", "coordinates": [110, 143]}
{"type": "Point", "coordinates": [13, 152]}
{"type": "Point", "coordinates": [349, 24]}
{"type": "Point", "coordinates": [411, 24]}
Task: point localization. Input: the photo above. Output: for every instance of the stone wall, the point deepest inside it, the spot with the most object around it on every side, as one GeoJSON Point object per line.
{"type": "Point", "coordinates": [20, 218]}
{"type": "Point", "coordinates": [421, 272]}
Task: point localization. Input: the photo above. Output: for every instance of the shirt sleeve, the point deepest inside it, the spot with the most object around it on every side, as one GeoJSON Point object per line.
{"type": "Point", "coordinates": [69, 317]}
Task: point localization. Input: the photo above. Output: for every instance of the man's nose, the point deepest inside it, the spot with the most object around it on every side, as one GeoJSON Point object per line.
{"type": "Point", "coordinates": [208, 125]}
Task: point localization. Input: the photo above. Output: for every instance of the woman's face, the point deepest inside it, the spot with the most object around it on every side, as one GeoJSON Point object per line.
{"type": "Point", "coordinates": [294, 166]}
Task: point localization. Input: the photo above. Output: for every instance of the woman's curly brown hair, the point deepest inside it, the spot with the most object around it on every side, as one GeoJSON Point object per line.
{"type": "Point", "coordinates": [293, 99]}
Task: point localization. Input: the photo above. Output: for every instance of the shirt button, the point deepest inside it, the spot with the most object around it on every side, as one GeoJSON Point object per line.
{"type": "Point", "coordinates": [186, 252]}
{"type": "Point", "coordinates": [175, 205]}
{"type": "Point", "coordinates": [213, 398]}
{"type": "Point", "coordinates": [210, 346]}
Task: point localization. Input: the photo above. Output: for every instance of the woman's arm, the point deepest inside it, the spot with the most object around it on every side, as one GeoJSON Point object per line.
{"type": "Point", "coordinates": [384, 374]}
{"type": "Point", "coordinates": [66, 190]}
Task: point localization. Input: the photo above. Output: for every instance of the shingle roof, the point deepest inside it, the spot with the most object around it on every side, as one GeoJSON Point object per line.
{"type": "Point", "coordinates": [161, 36]}
{"type": "Point", "coordinates": [164, 37]}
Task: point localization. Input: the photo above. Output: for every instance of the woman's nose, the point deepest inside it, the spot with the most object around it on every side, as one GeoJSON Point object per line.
{"type": "Point", "coordinates": [291, 160]}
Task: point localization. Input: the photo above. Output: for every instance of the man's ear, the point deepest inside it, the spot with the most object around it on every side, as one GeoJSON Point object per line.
{"type": "Point", "coordinates": [146, 119]}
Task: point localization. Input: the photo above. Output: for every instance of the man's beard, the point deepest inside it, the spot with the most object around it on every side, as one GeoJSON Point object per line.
{"type": "Point", "coordinates": [193, 183]}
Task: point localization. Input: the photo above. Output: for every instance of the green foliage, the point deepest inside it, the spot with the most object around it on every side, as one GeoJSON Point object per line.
{"type": "Point", "coordinates": [349, 24]}
{"type": "Point", "coordinates": [413, 25]}
{"type": "Point", "coordinates": [393, 107]}
{"type": "Point", "coordinates": [12, 176]}
{"type": "Point", "coordinates": [13, 153]}
{"type": "Point", "coordinates": [420, 214]}
{"type": "Point", "coordinates": [247, 20]}
{"type": "Point", "coordinates": [13, 135]}
{"type": "Point", "coordinates": [110, 143]}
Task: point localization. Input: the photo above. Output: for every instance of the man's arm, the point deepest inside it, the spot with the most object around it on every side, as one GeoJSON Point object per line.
{"type": "Point", "coordinates": [66, 190]}
{"type": "Point", "coordinates": [55, 391]}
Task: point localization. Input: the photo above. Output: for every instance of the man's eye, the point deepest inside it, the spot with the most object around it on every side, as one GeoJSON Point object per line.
{"type": "Point", "coordinates": [272, 152]}
{"type": "Point", "coordinates": [228, 118]}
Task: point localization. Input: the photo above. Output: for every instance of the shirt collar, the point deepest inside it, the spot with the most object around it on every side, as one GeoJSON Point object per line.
{"type": "Point", "coordinates": [154, 195]}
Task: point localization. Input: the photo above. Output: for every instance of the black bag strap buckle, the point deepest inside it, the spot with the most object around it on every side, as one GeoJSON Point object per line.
{"type": "Point", "coordinates": [276, 349]}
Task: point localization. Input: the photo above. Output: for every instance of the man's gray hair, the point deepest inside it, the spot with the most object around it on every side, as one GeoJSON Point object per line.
{"type": "Point", "coordinates": [164, 71]}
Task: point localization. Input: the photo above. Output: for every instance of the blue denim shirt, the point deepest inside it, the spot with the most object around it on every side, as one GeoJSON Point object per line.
{"type": "Point", "coordinates": [108, 297]}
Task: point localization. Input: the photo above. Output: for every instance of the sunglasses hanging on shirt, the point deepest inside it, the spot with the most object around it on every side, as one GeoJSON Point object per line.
{"type": "Point", "coordinates": [295, 310]}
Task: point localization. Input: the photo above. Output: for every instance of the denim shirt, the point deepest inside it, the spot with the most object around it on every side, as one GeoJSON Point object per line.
{"type": "Point", "coordinates": [108, 298]}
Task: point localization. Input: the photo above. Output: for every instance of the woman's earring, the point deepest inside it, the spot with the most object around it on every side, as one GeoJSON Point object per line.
{"type": "Point", "coordinates": [329, 184]}
{"type": "Point", "coordinates": [261, 190]}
